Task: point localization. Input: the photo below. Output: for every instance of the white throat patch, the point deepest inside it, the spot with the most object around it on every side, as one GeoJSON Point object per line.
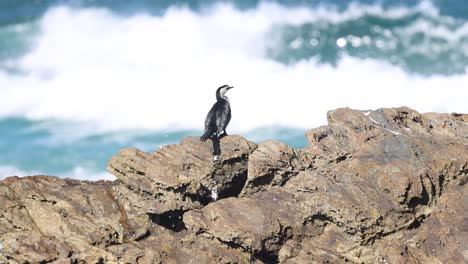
{"type": "Point", "coordinates": [222, 93]}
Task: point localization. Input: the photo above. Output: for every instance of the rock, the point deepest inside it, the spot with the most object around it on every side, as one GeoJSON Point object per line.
{"type": "Point", "coordinates": [46, 218]}
{"type": "Point", "coordinates": [365, 177]}
{"type": "Point", "coordinates": [272, 164]}
{"type": "Point", "coordinates": [384, 186]}
{"type": "Point", "coordinates": [183, 247]}
{"type": "Point", "coordinates": [307, 251]}
{"type": "Point", "coordinates": [258, 224]}
{"type": "Point", "coordinates": [184, 176]}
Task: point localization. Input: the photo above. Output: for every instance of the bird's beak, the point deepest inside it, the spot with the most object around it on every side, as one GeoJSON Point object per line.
{"type": "Point", "coordinates": [230, 87]}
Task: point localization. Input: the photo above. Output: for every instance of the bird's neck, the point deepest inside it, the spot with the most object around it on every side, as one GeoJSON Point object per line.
{"type": "Point", "coordinates": [222, 97]}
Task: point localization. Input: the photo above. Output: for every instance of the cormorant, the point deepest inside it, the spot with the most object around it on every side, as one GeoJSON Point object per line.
{"type": "Point", "coordinates": [219, 116]}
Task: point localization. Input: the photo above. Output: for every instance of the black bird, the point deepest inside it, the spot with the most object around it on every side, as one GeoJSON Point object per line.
{"type": "Point", "coordinates": [219, 116]}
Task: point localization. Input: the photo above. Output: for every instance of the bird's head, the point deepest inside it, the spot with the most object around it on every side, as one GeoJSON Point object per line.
{"type": "Point", "coordinates": [220, 93]}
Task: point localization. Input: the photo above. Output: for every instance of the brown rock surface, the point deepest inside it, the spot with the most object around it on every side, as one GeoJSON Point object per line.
{"type": "Point", "coordinates": [384, 186]}
{"type": "Point", "coordinates": [272, 164]}
{"type": "Point", "coordinates": [46, 218]}
{"type": "Point", "coordinates": [184, 176]}
{"type": "Point", "coordinates": [182, 247]}
{"type": "Point", "coordinates": [365, 178]}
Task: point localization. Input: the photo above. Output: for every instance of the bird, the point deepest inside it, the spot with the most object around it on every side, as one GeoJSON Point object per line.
{"type": "Point", "coordinates": [219, 115]}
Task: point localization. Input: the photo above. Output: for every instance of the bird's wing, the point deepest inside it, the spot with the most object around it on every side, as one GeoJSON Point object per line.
{"type": "Point", "coordinates": [223, 117]}
{"type": "Point", "coordinates": [210, 120]}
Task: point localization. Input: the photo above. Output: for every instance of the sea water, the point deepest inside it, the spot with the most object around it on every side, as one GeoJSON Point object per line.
{"type": "Point", "coordinates": [80, 80]}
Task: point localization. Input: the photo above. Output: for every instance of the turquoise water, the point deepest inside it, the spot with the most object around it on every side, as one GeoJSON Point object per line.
{"type": "Point", "coordinates": [59, 148]}
{"type": "Point", "coordinates": [82, 79]}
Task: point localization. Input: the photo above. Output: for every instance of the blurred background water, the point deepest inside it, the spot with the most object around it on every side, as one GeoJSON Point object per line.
{"type": "Point", "coordinates": [80, 80]}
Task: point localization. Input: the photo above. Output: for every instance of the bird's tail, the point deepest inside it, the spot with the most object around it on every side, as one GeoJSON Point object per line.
{"type": "Point", "coordinates": [205, 136]}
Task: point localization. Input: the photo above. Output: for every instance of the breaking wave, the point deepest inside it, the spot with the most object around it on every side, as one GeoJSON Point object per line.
{"type": "Point", "coordinates": [160, 72]}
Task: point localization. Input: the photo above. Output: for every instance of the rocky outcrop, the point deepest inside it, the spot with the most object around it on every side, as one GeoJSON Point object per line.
{"type": "Point", "coordinates": [184, 176]}
{"type": "Point", "coordinates": [384, 186]}
{"type": "Point", "coordinates": [47, 218]}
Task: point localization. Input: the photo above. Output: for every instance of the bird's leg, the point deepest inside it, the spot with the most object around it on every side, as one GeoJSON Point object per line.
{"type": "Point", "coordinates": [214, 135]}
{"type": "Point", "coordinates": [222, 134]}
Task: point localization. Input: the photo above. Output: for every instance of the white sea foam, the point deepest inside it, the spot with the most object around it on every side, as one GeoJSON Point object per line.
{"type": "Point", "coordinates": [7, 170]}
{"type": "Point", "coordinates": [76, 173]}
{"type": "Point", "coordinates": [86, 174]}
{"type": "Point", "coordinates": [145, 72]}
{"type": "Point", "coordinates": [437, 30]}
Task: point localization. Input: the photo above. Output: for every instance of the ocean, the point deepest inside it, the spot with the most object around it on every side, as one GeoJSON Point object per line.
{"type": "Point", "coordinates": [81, 79]}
